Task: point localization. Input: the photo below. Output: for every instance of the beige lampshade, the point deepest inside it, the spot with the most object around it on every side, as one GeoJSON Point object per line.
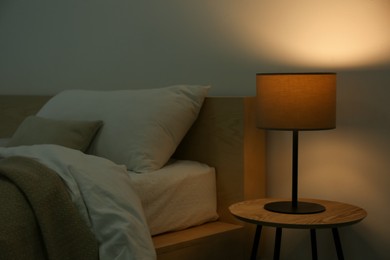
{"type": "Point", "coordinates": [296, 101]}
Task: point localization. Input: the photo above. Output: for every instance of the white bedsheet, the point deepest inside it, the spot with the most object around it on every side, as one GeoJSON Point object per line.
{"type": "Point", "coordinates": [104, 195]}
{"type": "Point", "coordinates": [179, 195]}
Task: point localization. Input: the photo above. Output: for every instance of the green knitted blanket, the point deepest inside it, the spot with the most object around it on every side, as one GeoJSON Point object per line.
{"type": "Point", "coordinates": [37, 217]}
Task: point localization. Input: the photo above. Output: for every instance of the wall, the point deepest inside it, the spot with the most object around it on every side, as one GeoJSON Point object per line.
{"type": "Point", "coordinates": [47, 46]}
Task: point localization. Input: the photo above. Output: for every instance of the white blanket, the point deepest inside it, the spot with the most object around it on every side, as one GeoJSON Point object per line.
{"type": "Point", "coordinates": [104, 196]}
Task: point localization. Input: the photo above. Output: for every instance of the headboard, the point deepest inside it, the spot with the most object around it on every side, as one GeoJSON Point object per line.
{"type": "Point", "coordinates": [224, 136]}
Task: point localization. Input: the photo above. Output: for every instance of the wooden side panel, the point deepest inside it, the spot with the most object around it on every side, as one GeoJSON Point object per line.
{"type": "Point", "coordinates": [225, 137]}
{"type": "Point", "coordinates": [215, 240]}
{"type": "Point", "coordinates": [216, 138]}
{"type": "Point", "coordinates": [254, 154]}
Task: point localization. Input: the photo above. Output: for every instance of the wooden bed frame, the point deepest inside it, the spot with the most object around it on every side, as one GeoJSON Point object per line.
{"type": "Point", "coordinates": [225, 137]}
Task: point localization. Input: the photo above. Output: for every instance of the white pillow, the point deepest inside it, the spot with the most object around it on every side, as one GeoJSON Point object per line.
{"type": "Point", "coordinates": [142, 128]}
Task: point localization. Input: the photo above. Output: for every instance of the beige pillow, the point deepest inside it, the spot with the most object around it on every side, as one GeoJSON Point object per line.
{"type": "Point", "coordinates": [69, 133]}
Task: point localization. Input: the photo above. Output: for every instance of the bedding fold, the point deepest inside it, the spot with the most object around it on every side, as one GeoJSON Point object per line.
{"type": "Point", "coordinates": [103, 195]}
{"type": "Point", "coordinates": [38, 220]}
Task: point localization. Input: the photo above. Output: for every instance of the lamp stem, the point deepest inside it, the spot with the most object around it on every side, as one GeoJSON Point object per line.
{"type": "Point", "coordinates": [294, 206]}
{"type": "Point", "coordinates": [294, 197]}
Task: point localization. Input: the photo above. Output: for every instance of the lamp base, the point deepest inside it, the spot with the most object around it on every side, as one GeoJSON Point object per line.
{"type": "Point", "coordinates": [288, 208]}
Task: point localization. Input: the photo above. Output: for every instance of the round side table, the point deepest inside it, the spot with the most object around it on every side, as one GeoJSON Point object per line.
{"type": "Point", "coordinates": [336, 215]}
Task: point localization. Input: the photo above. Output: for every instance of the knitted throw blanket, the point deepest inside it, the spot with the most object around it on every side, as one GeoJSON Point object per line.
{"type": "Point", "coordinates": [38, 220]}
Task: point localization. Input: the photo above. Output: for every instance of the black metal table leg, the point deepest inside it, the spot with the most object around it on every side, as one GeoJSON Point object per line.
{"type": "Point", "coordinates": [278, 241]}
{"type": "Point", "coordinates": [256, 241]}
{"type": "Point", "coordinates": [337, 243]}
{"type": "Point", "coordinates": [313, 238]}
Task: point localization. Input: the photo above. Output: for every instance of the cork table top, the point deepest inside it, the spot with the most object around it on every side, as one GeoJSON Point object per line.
{"type": "Point", "coordinates": [337, 214]}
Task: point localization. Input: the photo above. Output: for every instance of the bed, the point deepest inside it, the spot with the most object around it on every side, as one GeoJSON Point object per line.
{"type": "Point", "coordinates": [222, 142]}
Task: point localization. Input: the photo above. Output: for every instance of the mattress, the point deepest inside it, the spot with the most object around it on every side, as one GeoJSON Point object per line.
{"type": "Point", "coordinates": [179, 195]}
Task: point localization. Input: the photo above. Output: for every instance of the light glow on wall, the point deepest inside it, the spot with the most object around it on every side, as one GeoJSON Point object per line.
{"type": "Point", "coordinates": [325, 33]}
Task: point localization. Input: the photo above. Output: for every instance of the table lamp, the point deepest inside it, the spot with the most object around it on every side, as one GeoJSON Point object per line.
{"type": "Point", "coordinates": [296, 102]}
